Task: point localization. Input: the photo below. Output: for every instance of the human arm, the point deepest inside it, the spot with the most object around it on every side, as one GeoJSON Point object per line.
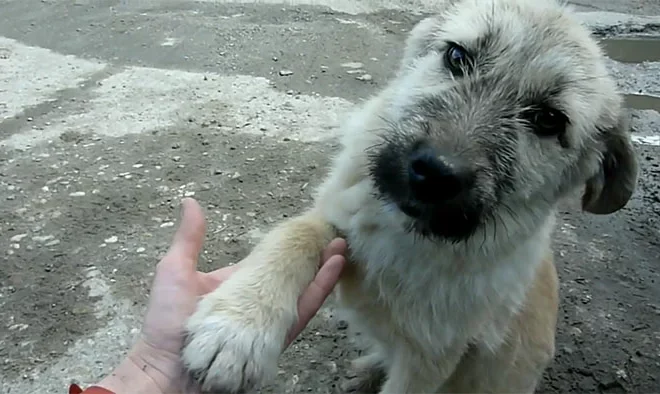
{"type": "Point", "coordinates": [153, 364]}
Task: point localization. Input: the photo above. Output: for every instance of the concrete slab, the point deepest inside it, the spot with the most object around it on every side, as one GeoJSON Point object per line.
{"type": "Point", "coordinates": [141, 100]}
{"type": "Point", "coordinates": [32, 75]}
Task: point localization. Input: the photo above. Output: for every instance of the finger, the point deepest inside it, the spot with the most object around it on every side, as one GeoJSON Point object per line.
{"type": "Point", "coordinates": [316, 293]}
{"type": "Point", "coordinates": [215, 278]}
{"type": "Point", "coordinates": [336, 247]}
{"type": "Point", "coordinates": [189, 237]}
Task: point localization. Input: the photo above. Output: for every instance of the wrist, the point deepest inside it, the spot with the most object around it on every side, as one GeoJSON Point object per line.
{"type": "Point", "coordinates": [143, 370]}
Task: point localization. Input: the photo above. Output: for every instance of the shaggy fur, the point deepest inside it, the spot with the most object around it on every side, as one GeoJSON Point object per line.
{"type": "Point", "coordinates": [446, 191]}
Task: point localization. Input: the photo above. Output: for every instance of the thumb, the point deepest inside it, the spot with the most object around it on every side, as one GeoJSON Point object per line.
{"type": "Point", "coordinates": [189, 237]}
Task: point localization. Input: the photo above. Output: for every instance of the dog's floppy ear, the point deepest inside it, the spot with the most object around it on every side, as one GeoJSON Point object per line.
{"type": "Point", "coordinates": [612, 186]}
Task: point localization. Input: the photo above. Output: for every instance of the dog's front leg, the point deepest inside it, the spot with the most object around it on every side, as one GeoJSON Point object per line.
{"type": "Point", "coordinates": [411, 373]}
{"type": "Point", "coordinates": [237, 334]}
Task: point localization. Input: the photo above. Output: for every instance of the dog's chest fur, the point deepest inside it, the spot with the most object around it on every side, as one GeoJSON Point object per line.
{"type": "Point", "coordinates": [431, 295]}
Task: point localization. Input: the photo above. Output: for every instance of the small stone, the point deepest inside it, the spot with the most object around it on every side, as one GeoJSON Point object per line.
{"type": "Point", "coordinates": [111, 240]}
{"type": "Point", "coordinates": [621, 374]}
{"type": "Point", "coordinates": [352, 65]}
{"type": "Point", "coordinates": [76, 194]}
{"type": "Point", "coordinates": [332, 366]}
{"type": "Point", "coordinates": [286, 73]}
{"type": "Point", "coordinates": [167, 224]}
{"type": "Point", "coordinates": [576, 332]}
{"type": "Point", "coordinates": [365, 78]}
{"type": "Point", "coordinates": [42, 238]}
{"type": "Point", "coordinates": [81, 310]}
{"type": "Point", "coordinates": [140, 250]}
{"type": "Point", "coordinates": [189, 194]}
{"type": "Point", "coordinates": [17, 237]}
{"type": "Point", "coordinates": [53, 242]}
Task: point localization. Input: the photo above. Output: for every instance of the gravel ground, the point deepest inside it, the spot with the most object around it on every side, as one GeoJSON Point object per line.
{"type": "Point", "coordinates": [114, 110]}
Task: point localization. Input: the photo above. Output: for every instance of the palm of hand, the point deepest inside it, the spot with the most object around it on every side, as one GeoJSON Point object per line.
{"type": "Point", "coordinates": [178, 286]}
{"type": "Point", "coordinates": [174, 295]}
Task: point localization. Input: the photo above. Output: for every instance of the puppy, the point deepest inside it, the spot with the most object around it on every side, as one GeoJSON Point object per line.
{"type": "Point", "coordinates": [446, 190]}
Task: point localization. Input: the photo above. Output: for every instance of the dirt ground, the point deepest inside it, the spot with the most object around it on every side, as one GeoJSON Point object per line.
{"type": "Point", "coordinates": [85, 216]}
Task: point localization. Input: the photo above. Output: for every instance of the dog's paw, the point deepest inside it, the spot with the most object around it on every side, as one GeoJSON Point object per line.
{"type": "Point", "coordinates": [367, 375]}
{"type": "Point", "coordinates": [368, 382]}
{"type": "Point", "coordinates": [230, 352]}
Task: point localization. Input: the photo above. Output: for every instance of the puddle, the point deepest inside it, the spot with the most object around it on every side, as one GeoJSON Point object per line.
{"type": "Point", "coordinates": [642, 102]}
{"type": "Point", "coordinates": [632, 49]}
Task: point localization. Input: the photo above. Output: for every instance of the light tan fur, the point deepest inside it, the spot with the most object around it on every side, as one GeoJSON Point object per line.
{"type": "Point", "coordinates": [477, 315]}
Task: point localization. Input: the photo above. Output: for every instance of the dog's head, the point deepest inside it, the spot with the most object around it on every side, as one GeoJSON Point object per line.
{"type": "Point", "coordinates": [500, 109]}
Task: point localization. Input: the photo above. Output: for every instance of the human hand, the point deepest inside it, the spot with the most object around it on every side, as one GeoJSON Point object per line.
{"type": "Point", "coordinates": [175, 291]}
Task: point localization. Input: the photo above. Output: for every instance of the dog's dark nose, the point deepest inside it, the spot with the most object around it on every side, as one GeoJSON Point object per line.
{"type": "Point", "coordinates": [434, 179]}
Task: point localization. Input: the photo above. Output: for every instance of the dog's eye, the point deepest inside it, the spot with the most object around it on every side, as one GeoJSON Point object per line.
{"type": "Point", "coordinates": [457, 59]}
{"type": "Point", "coordinates": [548, 122]}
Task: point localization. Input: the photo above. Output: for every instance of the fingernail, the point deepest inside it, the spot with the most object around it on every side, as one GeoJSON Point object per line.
{"type": "Point", "coordinates": [183, 208]}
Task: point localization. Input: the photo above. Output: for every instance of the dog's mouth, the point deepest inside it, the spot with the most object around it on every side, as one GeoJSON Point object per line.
{"type": "Point", "coordinates": [453, 222]}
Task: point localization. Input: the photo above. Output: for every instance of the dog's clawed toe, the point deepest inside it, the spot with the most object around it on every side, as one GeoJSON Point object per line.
{"type": "Point", "coordinates": [224, 353]}
{"type": "Point", "coordinates": [220, 358]}
{"type": "Point", "coordinates": [366, 377]}
{"type": "Point", "coordinates": [365, 383]}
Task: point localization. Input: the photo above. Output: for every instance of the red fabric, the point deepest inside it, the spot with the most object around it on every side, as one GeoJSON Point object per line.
{"type": "Point", "coordinates": [75, 389]}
